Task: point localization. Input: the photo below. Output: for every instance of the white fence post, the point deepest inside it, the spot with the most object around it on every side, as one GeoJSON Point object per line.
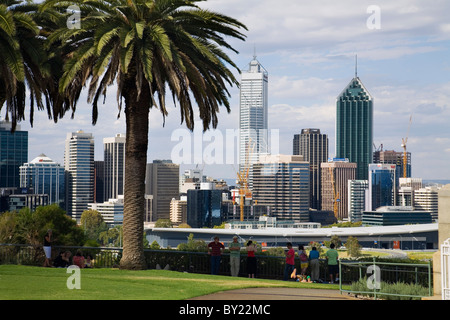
{"type": "Point", "coordinates": [445, 269]}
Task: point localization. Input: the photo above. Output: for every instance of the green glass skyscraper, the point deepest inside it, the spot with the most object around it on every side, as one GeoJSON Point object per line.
{"type": "Point", "coordinates": [354, 126]}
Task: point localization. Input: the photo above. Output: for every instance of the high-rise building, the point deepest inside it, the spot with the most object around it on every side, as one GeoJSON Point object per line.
{"type": "Point", "coordinates": [204, 208]}
{"type": "Point", "coordinates": [426, 199]}
{"type": "Point", "coordinates": [406, 189]}
{"type": "Point", "coordinates": [358, 197]}
{"type": "Point", "coordinates": [253, 122]}
{"type": "Point", "coordinates": [354, 126]}
{"type": "Point", "coordinates": [282, 183]}
{"type": "Point", "coordinates": [13, 154]}
{"type": "Point", "coordinates": [99, 172]}
{"type": "Point", "coordinates": [313, 146]}
{"type": "Point", "coordinates": [162, 180]}
{"type": "Point", "coordinates": [79, 166]}
{"type": "Point", "coordinates": [394, 157]}
{"type": "Point", "coordinates": [114, 167]}
{"type": "Point", "coordinates": [382, 185]}
{"type": "Point", "coordinates": [335, 176]}
{"type": "Point", "coordinates": [44, 176]}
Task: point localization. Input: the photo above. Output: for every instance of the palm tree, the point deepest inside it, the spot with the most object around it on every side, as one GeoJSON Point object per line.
{"type": "Point", "coordinates": [22, 60]}
{"type": "Point", "coordinates": [147, 47]}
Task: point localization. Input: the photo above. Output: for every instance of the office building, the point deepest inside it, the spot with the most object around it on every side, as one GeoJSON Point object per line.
{"type": "Point", "coordinates": [382, 185]}
{"type": "Point", "coordinates": [335, 176]}
{"type": "Point", "coordinates": [394, 157]}
{"type": "Point", "coordinates": [406, 189]}
{"type": "Point", "coordinates": [281, 182]}
{"type": "Point", "coordinates": [99, 182]}
{"type": "Point", "coordinates": [313, 146]}
{"type": "Point", "coordinates": [178, 210]}
{"type": "Point", "coordinates": [358, 202]}
{"type": "Point", "coordinates": [253, 119]}
{"type": "Point", "coordinates": [204, 208]}
{"type": "Point", "coordinates": [354, 126]}
{"type": "Point", "coordinates": [162, 180]}
{"type": "Point", "coordinates": [111, 211]}
{"type": "Point", "coordinates": [114, 166]}
{"type": "Point", "coordinates": [44, 176]}
{"type": "Point", "coordinates": [79, 167]}
{"type": "Point", "coordinates": [13, 154]}
{"type": "Point", "coordinates": [426, 199]}
{"type": "Point", "coordinates": [395, 215]}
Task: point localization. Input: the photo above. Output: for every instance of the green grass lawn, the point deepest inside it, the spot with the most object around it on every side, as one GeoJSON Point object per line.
{"type": "Point", "coordinates": [37, 283]}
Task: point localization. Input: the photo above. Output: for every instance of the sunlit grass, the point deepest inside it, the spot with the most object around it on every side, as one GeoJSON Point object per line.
{"type": "Point", "coordinates": [37, 283]}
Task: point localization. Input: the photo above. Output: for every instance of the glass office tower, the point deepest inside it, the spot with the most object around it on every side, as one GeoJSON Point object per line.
{"type": "Point", "coordinates": [80, 176]}
{"type": "Point", "coordinates": [13, 154]}
{"type": "Point", "coordinates": [45, 176]}
{"type": "Point", "coordinates": [354, 126]}
{"type": "Point", "coordinates": [382, 185]}
{"type": "Point", "coordinates": [253, 122]}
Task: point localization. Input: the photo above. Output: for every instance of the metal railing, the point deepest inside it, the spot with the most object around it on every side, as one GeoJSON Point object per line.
{"type": "Point", "coordinates": [375, 278]}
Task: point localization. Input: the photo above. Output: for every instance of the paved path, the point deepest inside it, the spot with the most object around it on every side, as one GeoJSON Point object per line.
{"type": "Point", "coordinates": [277, 294]}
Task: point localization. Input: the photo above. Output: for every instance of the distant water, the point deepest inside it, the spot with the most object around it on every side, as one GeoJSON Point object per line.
{"type": "Point", "coordinates": [444, 182]}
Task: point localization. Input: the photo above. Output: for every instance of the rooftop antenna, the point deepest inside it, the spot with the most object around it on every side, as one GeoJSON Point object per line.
{"type": "Point", "coordinates": [254, 52]}
{"type": "Point", "coordinates": [356, 66]}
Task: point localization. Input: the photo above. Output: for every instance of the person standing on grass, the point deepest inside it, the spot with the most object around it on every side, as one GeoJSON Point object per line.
{"type": "Point", "coordinates": [215, 250]}
{"type": "Point", "coordinates": [48, 248]}
{"type": "Point", "coordinates": [235, 256]}
{"type": "Point", "coordinates": [314, 264]}
{"type": "Point", "coordinates": [303, 260]}
{"type": "Point", "coordinates": [251, 259]}
{"type": "Point", "coordinates": [290, 261]}
{"type": "Point", "coordinates": [332, 258]}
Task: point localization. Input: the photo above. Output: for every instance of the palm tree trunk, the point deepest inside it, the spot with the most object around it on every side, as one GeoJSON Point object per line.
{"type": "Point", "coordinates": [137, 124]}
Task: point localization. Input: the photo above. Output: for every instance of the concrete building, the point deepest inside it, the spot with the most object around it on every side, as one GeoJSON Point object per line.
{"type": "Point", "coordinates": [178, 210]}
{"type": "Point", "coordinates": [406, 189]}
{"type": "Point", "coordinates": [253, 115]}
{"type": "Point", "coordinates": [335, 176]}
{"type": "Point", "coordinates": [44, 176]}
{"type": "Point", "coordinates": [358, 199]}
{"type": "Point", "coordinates": [281, 182]}
{"type": "Point", "coordinates": [111, 211]}
{"type": "Point", "coordinates": [80, 173]}
{"type": "Point", "coordinates": [313, 146]}
{"type": "Point", "coordinates": [427, 199]}
{"type": "Point", "coordinates": [13, 154]}
{"type": "Point", "coordinates": [162, 180]}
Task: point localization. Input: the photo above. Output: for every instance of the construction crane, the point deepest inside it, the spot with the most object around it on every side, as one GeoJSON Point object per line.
{"type": "Point", "coordinates": [242, 181]}
{"type": "Point", "coordinates": [335, 193]}
{"type": "Point", "coordinates": [405, 156]}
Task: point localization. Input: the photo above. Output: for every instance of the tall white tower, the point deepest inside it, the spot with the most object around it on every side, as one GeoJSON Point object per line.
{"type": "Point", "coordinates": [114, 175]}
{"type": "Point", "coordinates": [253, 124]}
{"type": "Point", "coordinates": [79, 166]}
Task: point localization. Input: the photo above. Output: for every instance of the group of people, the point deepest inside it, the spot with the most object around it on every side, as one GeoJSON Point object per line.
{"type": "Point", "coordinates": [311, 261]}
{"type": "Point", "coordinates": [216, 248]}
{"type": "Point", "coordinates": [63, 260]}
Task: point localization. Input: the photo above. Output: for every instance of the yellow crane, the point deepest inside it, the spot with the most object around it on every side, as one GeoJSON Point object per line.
{"type": "Point", "coordinates": [335, 193]}
{"type": "Point", "coordinates": [242, 181]}
{"type": "Point", "coordinates": [405, 156]}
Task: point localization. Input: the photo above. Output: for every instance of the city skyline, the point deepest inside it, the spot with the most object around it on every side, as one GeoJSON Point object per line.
{"type": "Point", "coordinates": [309, 52]}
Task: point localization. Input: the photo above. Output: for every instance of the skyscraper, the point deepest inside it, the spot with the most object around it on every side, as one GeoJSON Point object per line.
{"type": "Point", "coordinates": [253, 124]}
{"type": "Point", "coordinates": [79, 166]}
{"type": "Point", "coordinates": [45, 176]}
{"type": "Point", "coordinates": [162, 180]}
{"type": "Point", "coordinates": [114, 166]}
{"type": "Point", "coordinates": [354, 126]}
{"type": "Point", "coordinates": [282, 183]}
{"type": "Point", "coordinates": [13, 153]}
{"type": "Point", "coordinates": [313, 146]}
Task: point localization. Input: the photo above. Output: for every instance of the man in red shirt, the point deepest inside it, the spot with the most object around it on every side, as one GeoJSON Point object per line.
{"type": "Point", "coordinates": [215, 249]}
{"type": "Point", "coordinates": [290, 261]}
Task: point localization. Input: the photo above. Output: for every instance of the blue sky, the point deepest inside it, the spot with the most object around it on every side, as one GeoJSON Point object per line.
{"type": "Point", "coordinates": [308, 49]}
